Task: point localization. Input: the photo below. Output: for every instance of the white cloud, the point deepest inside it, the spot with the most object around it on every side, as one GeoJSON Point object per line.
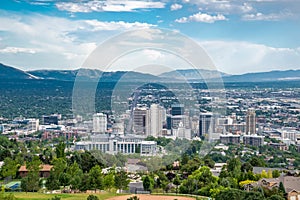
{"type": "Point", "coordinates": [18, 50]}
{"type": "Point", "coordinates": [152, 54]}
{"type": "Point", "coordinates": [265, 17]}
{"type": "Point", "coordinates": [175, 6]}
{"type": "Point", "coordinates": [202, 17]}
{"type": "Point", "coordinates": [242, 57]}
{"type": "Point", "coordinates": [56, 42]}
{"type": "Point", "coordinates": [225, 7]}
{"type": "Point", "coordinates": [113, 6]}
{"type": "Point", "coordinates": [119, 25]}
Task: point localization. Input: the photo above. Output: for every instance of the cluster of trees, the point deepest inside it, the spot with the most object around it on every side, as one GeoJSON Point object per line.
{"type": "Point", "coordinates": [79, 174]}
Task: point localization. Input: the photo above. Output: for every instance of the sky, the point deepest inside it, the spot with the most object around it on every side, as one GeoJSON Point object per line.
{"type": "Point", "coordinates": [240, 36]}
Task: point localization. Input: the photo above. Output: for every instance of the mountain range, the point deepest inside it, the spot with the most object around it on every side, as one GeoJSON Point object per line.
{"type": "Point", "coordinates": [8, 72]}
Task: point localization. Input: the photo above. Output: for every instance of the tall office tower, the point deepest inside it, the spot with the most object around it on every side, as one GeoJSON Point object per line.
{"type": "Point", "coordinates": [177, 109]}
{"type": "Point", "coordinates": [250, 122]}
{"type": "Point", "coordinates": [205, 123]}
{"type": "Point", "coordinates": [141, 121]}
{"type": "Point", "coordinates": [157, 114]}
{"type": "Point", "coordinates": [99, 123]}
{"type": "Point", "coordinates": [169, 122]}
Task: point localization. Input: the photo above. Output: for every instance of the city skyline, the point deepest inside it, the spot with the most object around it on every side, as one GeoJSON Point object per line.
{"type": "Point", "coordinates": [240, 37]}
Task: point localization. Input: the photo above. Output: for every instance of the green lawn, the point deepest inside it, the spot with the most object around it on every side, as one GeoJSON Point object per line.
{"type": "Point", "coordinates": [41, 196]}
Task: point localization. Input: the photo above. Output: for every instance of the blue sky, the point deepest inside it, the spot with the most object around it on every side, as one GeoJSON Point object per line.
{"type": "Point", "coordinates": [239, 36]}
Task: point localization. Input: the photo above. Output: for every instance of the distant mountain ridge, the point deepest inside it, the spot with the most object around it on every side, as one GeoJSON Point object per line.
{"type": "Point", "coordinates": [7, 72]}
{"type": "Point", "coordinates": [194, 74]}
{"type": "Point", "coordinates": [186, 75]}
{"type": "Point", "coordinates": [265, 76]}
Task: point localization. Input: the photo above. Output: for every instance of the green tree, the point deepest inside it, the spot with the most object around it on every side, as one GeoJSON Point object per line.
{"type": "Point", "coordinates": [148, 183]}
{"type": "Point", "coordinates": [246, 167]}
{"type": "Point", "coordinates": [75, 175]}
{"type": "Point", "coordinates": [60, 150]}
{"type": "Point", "coordinates": [10, 168]}
{"type": "Point", "coordinates": [275, 173]}
{"type": "Point", "coordinates": [109, 181]}
{"type": "Point", "coordinates": [52, 182]}
{"type": "Point", "coordinates": [234, 167]}
{"type": "Point", "coordinates": [281, 188]}
{"type": "Point", "coordinates": [230, 194]}
{"type": "Point", "coordinates": [121, 180]}
{"type": "Point", "coordinates": [31, 181]}
{"type": "Point", "coordinates": [176, 182]}
{"type": "Point", "coordinates": [96, 178]}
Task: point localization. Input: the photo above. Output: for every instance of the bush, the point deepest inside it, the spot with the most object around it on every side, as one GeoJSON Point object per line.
{"type": "Point", "coordinates": [92, 197]}
{"type": "Point", "coordinates": [7, 197]}
{"type": "Point", "coordinates": [133, 198]}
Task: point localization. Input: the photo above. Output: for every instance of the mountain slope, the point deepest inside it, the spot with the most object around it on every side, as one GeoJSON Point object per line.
{"type": "Point", "coordinates": [265, 76]}
{"type": "Point", "coordinates": [193, 74]}
{"type": "Point", "coordinates": [7, 72]}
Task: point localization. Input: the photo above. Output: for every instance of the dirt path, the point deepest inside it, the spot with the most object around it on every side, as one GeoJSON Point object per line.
{"type": "Point", "coordinates": [152, 197]}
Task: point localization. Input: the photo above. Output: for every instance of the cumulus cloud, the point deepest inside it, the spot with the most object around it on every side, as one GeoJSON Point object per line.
{"type": "Point", "coordinates": [175, 6]}
{"type": "Point", "coordinates": [113, 6]}
{"type": "Point", "coordinates": [115, 25]}
{"type": "Point", "coordinates": [202, 17]}
{"type": "Point", "coordinates": [241, 57]}
{"type": "Point", "coordinates": [56, 42]}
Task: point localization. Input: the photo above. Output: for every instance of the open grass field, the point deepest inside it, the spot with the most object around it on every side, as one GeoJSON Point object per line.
{"type": "Point", "coordinates": [103, 196]}
{"type": "Point", "coordinates": [152, 197]}
{"type": "Point", "coordinates": [41, 196]}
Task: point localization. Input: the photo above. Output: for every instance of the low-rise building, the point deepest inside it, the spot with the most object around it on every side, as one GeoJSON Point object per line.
{"type": "Point", "coordinates": [44, 171]}
{"type": "Point", "coordinates": [279, 146]}
{"type": "Point", "coordinates": [230, 139]}
{"type": "Point", "coordinates": [113, 144]}
{"type": "Point", "coordinates": [253, 140]}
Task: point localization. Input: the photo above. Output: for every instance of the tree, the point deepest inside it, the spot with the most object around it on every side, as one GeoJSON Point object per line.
{"type": "Point", "coordinates": [281, 188]}
{"type": "Point", "coordinates": [52, 183]}
{"type": "Point", "coordinates": [10, 168]}
{"type": "Point", "coordinates": [246, 167]}
{"type": "Point", "coordinates": [257, 162]}
{"type": "Point", "coordinates": [60, 150]}
{"type": "Point", "coordinates": [148, 183]}
{"type": "Point", "coordinates": [75, 175]}
{"type": "Point", "coordinates": [275, 173]}
{"type": "Point", "coordinates": [230, 194]}
{"type": "Point", "coordinates": [31, 181]}
{"type": "Point", "coordinates": [234, 167]}
{"type": "Point", "coordinates": [176, 182]}
{"type": "Point", "coordinates": [96, 178]}
{"type": "Point", "coordinates": [121, 180]}
{"type": "Point", "coordinates": [264, 174]}
{"type": "Point", "coordinates": [109, 181]}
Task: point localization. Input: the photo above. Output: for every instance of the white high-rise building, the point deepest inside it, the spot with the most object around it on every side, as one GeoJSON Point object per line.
{"type": "Point", "coordinates": [157, 115]}
{"type": "Point", "coordinates": [250, 122]}
{"type": "Point", "coordinates": [99, 123]}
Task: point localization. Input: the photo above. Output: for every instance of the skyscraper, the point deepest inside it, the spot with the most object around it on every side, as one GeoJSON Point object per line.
{"type": "Point", "coordinates": [205, 120]}
{"type": "Point", "coordinates": [157, 114]}
{"type": "Point", "coordinates": [141, 118]}
{"type": "Point", "coordinates": [99, 123]}
{"type": "Point", "coordinates": [250, 122]}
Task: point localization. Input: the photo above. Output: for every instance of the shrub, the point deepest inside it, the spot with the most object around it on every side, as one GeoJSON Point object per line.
{"type": "Point", "coordinates": [92, 197]}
